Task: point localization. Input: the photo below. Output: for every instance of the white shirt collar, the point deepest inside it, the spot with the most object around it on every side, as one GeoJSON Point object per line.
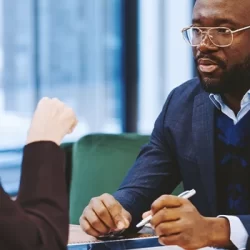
{"type": "Point", "coordinates": [245, 106]}
{"type": "Point", "coordinates": [218, 102]}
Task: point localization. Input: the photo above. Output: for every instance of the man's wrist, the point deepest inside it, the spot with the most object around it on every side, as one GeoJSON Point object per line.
{"type": "Point", "coordinates": [219, 232]}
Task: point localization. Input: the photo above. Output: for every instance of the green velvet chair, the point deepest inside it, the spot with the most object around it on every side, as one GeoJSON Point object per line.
{"type": "Point", "coordinates": [100, 162]}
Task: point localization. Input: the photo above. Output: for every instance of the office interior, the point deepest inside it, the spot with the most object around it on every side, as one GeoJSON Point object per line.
{"type": "Point", "coordinates": [113, 61]}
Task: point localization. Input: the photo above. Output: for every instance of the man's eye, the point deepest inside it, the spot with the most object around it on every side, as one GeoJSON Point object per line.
{"type": "Point", "coordinates": [196, 31]}
{"type": "Point", "coordinates": [223, 31]}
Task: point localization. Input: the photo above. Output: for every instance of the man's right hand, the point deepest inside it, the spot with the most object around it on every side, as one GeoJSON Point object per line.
{"type": "Point", "coordinates": [103, 215]}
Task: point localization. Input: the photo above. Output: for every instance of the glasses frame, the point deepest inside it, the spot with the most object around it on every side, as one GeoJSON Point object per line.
{"type": "Point", "coordinates": [206, 32]}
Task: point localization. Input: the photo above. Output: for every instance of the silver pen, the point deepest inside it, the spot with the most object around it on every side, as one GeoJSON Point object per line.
{"type": "Point", "coordinates": [186, 195]}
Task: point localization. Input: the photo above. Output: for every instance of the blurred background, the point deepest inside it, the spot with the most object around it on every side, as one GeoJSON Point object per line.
{"type": "Point", "coordinates": [113, 61]}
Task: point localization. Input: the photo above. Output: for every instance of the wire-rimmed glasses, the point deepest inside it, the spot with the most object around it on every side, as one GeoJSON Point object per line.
{"type": "Point", "coordinates": [219, 36]}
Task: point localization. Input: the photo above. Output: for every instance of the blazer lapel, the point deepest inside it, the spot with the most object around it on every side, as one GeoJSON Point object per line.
{"type": "Point", "coordinates": [203, 136]}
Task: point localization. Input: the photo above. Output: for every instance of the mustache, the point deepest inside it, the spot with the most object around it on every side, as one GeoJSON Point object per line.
{"type": "Point", "coordinates": [221, 63]}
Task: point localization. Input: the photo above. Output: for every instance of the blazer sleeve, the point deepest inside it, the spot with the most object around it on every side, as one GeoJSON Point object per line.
{"type": "Point", "coordinates": [38, 219]}
{"type": "Point", "coordinates": [154, 173]}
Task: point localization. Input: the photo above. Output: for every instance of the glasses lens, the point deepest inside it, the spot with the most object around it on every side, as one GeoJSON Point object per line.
{"type": "Point", "coordinates": [193, 36]}
{"type": "Point", "coordinates": [221, 36]}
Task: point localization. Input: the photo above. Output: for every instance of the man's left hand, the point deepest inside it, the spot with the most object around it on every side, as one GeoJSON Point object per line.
{"type": "Point", "coordinates": [177, 222]}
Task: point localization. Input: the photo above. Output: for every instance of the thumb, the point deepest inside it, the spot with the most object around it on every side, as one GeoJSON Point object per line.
{"type": "Point", "coordinates": [126, 217]}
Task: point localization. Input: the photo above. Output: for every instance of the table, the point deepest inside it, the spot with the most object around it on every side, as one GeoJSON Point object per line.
{"type": "Point", "coordinates": [78, 240]}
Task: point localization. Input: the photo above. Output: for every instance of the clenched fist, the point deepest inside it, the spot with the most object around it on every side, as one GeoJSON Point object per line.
{"type": "Point", "coordinates": [103, 215]}
{"type": "Point", "coordinates": [52, 120]}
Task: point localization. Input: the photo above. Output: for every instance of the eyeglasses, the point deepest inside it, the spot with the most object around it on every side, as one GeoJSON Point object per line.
{"type": "Point", "coordinates": [219, 36]}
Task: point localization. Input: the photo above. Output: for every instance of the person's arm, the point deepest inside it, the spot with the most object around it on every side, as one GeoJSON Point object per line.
{"type": "Point", "coordinates": [38, 219]}
{"type": "Point", "coordinates": [153, 173]}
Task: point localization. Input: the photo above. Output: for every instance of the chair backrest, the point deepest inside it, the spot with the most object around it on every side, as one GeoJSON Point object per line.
{"type": "Point", "coordinates": [100, 162]}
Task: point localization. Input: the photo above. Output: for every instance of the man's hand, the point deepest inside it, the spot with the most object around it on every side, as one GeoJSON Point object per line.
{"type": "Point", "coordinates": [177, 222]}
{"type": "Point", "coordinates": [103, 215]}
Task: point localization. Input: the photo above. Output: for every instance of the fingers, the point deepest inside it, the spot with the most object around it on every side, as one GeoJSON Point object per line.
{"type": "Point", "coordinates": [169, 232]}
{"type": "Point", "coordinates": [57, 102]}
{"type": "Point", "coordinates": [165, 215]}
{"type": "Point", "coordinates": [127, 217]}
{"type": "Point", "coordinates": [120, 217]}
{"type": "Point", "coordinates": [75, 122]}
{"type": "Point", "coordinates": [168, 228]}
{"type": "Point", "coordinates": [168, 201]}
{"type": "Point", "coordinates": [70, 115]}
{"type": "Point", "coordinates": [146, 214]}
{"type": "Point", "coordinates": [85, 225]}
{"type": "Point", "coordinates": [180, 239]}
{"type": "Point", "coordinates": [169, 240]}
{"type": "Point", "coordinates": [95, 222]}
{"type": "Point", "coordinates": [104, 214]}
{"type": "Point", "coordinates": [42, 101]}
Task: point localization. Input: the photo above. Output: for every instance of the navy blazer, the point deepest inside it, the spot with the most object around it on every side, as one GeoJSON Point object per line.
{"type": "Point", "coordinates": [181, 148]}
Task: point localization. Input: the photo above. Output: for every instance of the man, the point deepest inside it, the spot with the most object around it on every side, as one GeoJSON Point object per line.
{"type": "Point", "coordinates": [38, 219]}
{"type": "Point", "coordinates": [202, 138]}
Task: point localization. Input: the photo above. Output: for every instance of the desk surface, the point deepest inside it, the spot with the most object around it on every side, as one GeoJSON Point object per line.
{"type": "Point", "coordinates": [78, 240]}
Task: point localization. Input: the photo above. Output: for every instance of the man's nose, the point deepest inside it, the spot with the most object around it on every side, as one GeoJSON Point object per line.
{"type": "Point", "coordinates": [206, 45]}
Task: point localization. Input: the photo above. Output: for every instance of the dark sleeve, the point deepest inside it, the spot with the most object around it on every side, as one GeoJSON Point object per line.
{"type": "Point", "coordinates": [38, 219]}
{"type": "Point", "coordinates": [153, 174]}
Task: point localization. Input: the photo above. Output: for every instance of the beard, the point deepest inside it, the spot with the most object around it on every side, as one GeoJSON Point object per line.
{"type": "Point", "coordinates": [230, 81]}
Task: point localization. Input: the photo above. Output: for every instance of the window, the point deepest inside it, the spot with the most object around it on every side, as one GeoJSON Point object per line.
{"type": "Point", "coordinates": [71, 50]}
{"type": "Point", "coordinates": [165, 60]}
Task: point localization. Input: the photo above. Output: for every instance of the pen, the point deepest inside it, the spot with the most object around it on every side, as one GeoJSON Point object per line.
{"type": "Point", "coordinates": [185, 195]}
